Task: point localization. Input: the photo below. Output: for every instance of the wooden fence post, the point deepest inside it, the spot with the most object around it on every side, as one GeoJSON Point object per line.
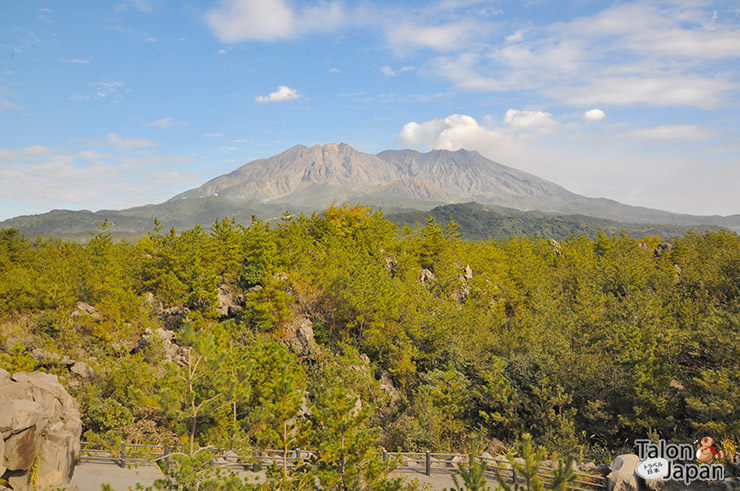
{"type": "Point", "coordinates": [123, 455]}
{"type": "Point", "coordinates": [167, 459]}
{"type": "Point", "coordinates": [428, 464]}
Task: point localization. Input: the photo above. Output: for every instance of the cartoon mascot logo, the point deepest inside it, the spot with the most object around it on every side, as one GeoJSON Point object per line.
{"type": "Point", "coordinates": [707, 451]}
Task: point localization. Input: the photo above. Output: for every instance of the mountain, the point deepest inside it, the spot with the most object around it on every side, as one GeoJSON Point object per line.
{"type": "Point", "coordinates": [322, 174]}
{"type": "Point", "coordinates": [314, 177]}
{"type": "Point", "coordinates": [304, 179]}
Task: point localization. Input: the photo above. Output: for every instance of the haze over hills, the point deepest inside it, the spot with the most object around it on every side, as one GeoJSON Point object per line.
{"type": "Point", "coordinates": [304, 179]}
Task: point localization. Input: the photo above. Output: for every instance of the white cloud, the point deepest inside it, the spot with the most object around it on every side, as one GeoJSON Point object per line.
{"type": "Point", "coordinates": [284, 93]}
{"type": "Point", "coordinates": [6, 105]}
{"type": "Point", "coordinates": [677, 90]}
{"type": "Point", "coordinates": [213, 135]}
{"type": "Point", "coordinates": [77, 61]}
{"type": "Point", "coordinates": [126, 144]}
{"type": "Point", "coordinates": [405, 37]}
{"type": "Point", "coordinates": [633, 53]}
{"type": "Point", "coordinates": [334, 70]}
{"type": "Point", "coordinates": [221, 52]}
{"type": "Point", "coordinates": [388, 71]}
{"type": "Point", "coordinates": [528, 120]}
{"type": "Point", "coordinates": [451, 133]}
{"type": "Point", "coordinates": [140, 5]}
{"type": "Point", "coordinates": [103, 90]}
{"type": "Point", "coordinates": [46, 177]}
{"type": "Point", "coordinates": [597, 164]}
{"type": "Point", "coordinates": [166, 123]}
{"type": "Point", "coordinates": [594, 115]}
{"type": "Point", "coordinates": [684, 132]}
{"type": "Point", "coordinates": [242, 20]}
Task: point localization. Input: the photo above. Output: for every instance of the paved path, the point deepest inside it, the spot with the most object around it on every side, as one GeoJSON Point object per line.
{"type": "Point", "coordinates": [89, 477]}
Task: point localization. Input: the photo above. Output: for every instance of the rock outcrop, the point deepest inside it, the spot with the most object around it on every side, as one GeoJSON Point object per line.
{"type": "Point", "coordinates": [39, 431]}
{"type": "Point", "coordinates": [426, 276]}
{"type": "Point", "coordinates": [229, 303]}
{"type": "Point", "coordinates": [173, 317]}
{"type": "Point", "coordinates": [83, 309]}
{"type": "Point", "coordinates": [300, 338]}
{"type": "Point", "coordinates": [622, 476]}
{"type": "Point", "coordinates": [163, 339]}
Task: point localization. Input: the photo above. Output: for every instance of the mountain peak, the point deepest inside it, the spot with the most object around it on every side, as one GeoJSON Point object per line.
{"type": "Point", "coordinates": [321, 174]}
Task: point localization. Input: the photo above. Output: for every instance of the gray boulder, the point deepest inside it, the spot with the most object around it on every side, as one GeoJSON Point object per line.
{"type": "Point", "coordinates": [39, 429]}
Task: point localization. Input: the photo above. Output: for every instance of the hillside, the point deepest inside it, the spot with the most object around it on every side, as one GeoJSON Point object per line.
{"type": "Point", "coordinates": [613, 338]}
{"type": "Point", "coordinates": [491, 221]}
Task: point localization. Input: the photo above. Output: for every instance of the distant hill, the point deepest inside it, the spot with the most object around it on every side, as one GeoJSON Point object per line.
{"type": "Point", "coordinates": [135, 222]}
{"type": "Point", "coordinates": [305, 179]}
{"type": "Point", "coordinates": [497, 222]}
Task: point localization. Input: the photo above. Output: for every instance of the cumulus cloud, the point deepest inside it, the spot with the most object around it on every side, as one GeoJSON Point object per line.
{"type": "Point", "coordinates": [528, 120]}
{"type": "Point", "coordinates": [451, 133]}
{"type": "Point", "coordinates": [242, 20]}
{"type": "Point", "coordinates": [594, 115]}
{"type": "Point", "coordinates": [462, 131]}
{"type": "Point", "coordinates": [284, 93]}
{"type": "Point", "coordinates": [165, 123]}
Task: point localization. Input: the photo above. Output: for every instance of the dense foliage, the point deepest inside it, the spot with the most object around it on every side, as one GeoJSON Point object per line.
{"type": "Point", "coordinates": [498, 222]}
{"type": "Point", "coordinates": [584, 344]}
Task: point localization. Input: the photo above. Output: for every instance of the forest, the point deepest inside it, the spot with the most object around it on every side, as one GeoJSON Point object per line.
{"type": "Point", "coordinates": [420, 337]}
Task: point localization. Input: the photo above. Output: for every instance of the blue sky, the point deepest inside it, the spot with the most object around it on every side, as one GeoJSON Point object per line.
{"type": "Point", "coordinates": [122, 103]}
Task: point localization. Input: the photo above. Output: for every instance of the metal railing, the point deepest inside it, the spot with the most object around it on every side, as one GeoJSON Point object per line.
{"type": "Point", "coordinates": [427, 463]}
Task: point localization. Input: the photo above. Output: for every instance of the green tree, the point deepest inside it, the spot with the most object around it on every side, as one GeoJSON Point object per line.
{"type": "Point", "coordinates": [189, 391]}
{"type": "Point", "coordinates": [346, 456]}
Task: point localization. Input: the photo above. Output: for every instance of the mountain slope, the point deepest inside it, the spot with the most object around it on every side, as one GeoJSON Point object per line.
{"type": "Point", "coordinates": [330, 169]}
{"type": "Point", "coordinates": [476, 178]}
